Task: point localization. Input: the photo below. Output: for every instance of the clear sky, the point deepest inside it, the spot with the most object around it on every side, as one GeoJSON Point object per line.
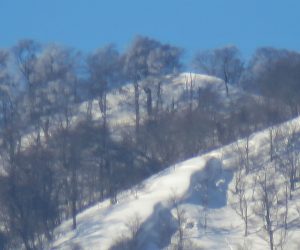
{"type": "Point", "coordinates": [191, 24]}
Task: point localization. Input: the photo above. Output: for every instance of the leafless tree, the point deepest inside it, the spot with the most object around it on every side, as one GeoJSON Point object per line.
{"type": "Point", "coordinates": [240, 181]}
{"type": "Point", "coordinates": [189, 89]}
{"type": "Point", "coordinates": [288, 156]}
{"type": "Point", "coordinates": [64, 100]}
{"type": "Point", "coordinates": [129, 240]}
{"type": "Point", "coordinates": [205, 201]}
{"type": "Point", "coordinates": [225, 63]}
{"type": "Point", "coordinates": [273, 138]}
{"type": "Point", "coordinates": [269, 208]}
{"type": "Point", "coordinates": [26, 52]}
{"type": "Point", "coordinates": [242, 205]}
{"type": "Point", "coordinates": [242, 149]}
{"type": "Point", "coordinates": [268, 205]}
{"type": "Point", "coordinates": [104, 68]}
{"type": "Point", "coordinates": [180, 217]}
{"type": "Point", "coordinates": [275, 74]}
{"type": "Point", "coordinates": [148, 57]}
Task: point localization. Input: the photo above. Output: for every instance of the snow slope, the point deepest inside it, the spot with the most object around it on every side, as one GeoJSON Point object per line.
{"type": "Point", "coordinates": [120, 101]}
{"type": "Point", "coordinates": [100, 225]}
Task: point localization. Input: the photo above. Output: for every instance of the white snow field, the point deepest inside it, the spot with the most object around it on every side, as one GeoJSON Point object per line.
{"type": "Point", "coordinates": [150, 203]}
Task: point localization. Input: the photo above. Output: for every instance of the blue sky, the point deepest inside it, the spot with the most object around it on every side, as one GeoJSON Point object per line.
{"type": "Point", "coordinates": [191, 24]}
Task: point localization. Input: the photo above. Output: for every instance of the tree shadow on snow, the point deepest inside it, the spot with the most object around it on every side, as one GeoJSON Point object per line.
{"type": "Point", "coordinates": [208, 187]}
{"type": "Point", "coordinates": [158, 229]}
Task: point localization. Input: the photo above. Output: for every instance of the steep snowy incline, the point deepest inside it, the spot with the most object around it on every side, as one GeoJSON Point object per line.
{"type": "Point", "coordinates": [100, 225]}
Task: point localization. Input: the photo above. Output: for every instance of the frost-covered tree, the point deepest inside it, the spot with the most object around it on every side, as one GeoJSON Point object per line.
{"type": "Point", "coordinates": [275, 73]}
{"type": "Point", "coordinates": [61, 90]}
{"type": "Point", "coordinates": [180, 218]}
{"type": "Point", "coordinates": [271, 206]}
{"type": "Point", "coordinates": [147, 57]}
{"type": "Point", "coordinates": [225, 63]}
{"type": "Point", "coordinates": [288, 156]}
{"type": "Point", "coordinates": [241, 202]}
{"type": "Point", "coordinates": [26, 52]}
{"type": "Point", "coordinates": [104, 67]}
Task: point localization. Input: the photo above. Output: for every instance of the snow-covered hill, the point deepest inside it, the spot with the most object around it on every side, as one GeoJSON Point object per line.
{"type": "Point", "coordinates": [120, 101]}
{"type": "Point", "coordinates": [175, 90]}
{"type": "Point", "coordinates": [200, 193]}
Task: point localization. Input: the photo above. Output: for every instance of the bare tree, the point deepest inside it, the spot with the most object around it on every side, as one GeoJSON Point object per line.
{"type": "Point", "coordinates": [274, 138]}
{"type": "Point", "coordinates": [243, 154]}
{"type": "Point", "coordinates": [129, 240]}
{"type": "Point", "coordinates": [205, 201]}
{"type": "Point", "coordinates": [275, 74]}
{"type": "Point", "coordinates": [288, 155]}
{"type": "Point", "coordinates": [148, 57]}
{"type": "Point", "coordinates": [68, 153]}
{"type": "Point", "coordinates": [240, 181]}
{"type": "Point", "coordinates": [242, 205]}
{"type": "Point", "coordinates": [104, 72]}
{"type": "Point", "coordinates": [268, 204]}
{"type": "Point", "coordinates": [180, 217]}
{"type": "Point", "coordinates": [26, 52]}
{"type": "Point", "coordinates": [136, 69]}
{"type": "Point", "coordinates": [225, 63]}
{"type": "Point", "coordinates": [189, 89]}
{"type": "Point", "coordinates": [268, 209]}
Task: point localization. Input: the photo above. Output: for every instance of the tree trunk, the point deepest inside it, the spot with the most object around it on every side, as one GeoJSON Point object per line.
{"type": "Point", "coordinates": [247, 155]}
{"type": "Point", "coordinates": [137, 108]}
{"type": "Point", "coordinates": [246, 227]}
{"type": "Point", "coordinates": [226, 81]}
{"type": "Point", "coordinates": [102, 102]}
{"type": "Point", "coordinates": [159, 99]}
{"type": "Point", "coordinates": [227, 90]}
{"type": "Point", "coordinates": [271, 144]}
{"type": "Point", "coordinates": [149, 101]}
{"type": "Point", "coordinates": [246, 219]}
{"type": "Point", "coordinates": [74, 195]}
{"type": "Point", "coordinates": [74, 211]}
{"type": "Point", "coordinates": [271, 240]}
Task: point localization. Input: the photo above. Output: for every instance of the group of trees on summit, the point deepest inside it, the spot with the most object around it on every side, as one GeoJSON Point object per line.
{"type": "Point", "coordinates": [56, 159]}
